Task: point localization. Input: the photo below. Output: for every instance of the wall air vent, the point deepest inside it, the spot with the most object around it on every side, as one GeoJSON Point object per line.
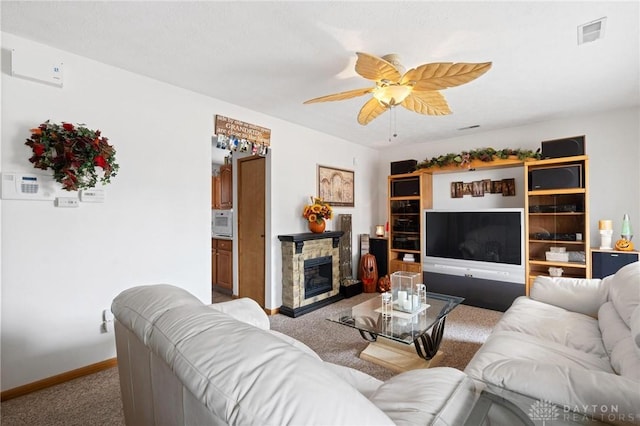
{"type": "Point", "coordinates": [591, 31]}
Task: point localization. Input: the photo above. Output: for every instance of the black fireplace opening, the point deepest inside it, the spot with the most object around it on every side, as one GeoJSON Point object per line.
{"type": "Point", "coordinates": [318, 276]}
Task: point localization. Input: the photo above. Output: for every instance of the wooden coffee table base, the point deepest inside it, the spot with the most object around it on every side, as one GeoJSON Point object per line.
{"type": "Point", "coordinates": [397, 356]}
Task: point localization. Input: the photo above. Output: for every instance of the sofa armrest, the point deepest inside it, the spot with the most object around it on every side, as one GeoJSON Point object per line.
{"type": "Point", "coordinates": [580, 295]}
{"type": "Point", "coordinates": [599, 394]}
{"type": "Point", "coordinates": [245, 310]}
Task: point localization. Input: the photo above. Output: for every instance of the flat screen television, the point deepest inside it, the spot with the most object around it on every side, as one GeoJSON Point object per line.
{"type": "Point", "coordinates": [487, 243]}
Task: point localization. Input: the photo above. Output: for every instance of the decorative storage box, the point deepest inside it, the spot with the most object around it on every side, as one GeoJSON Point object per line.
{"type": "Point", "coordinates": [553, 256]}
{"type": "Point", "coordinates": [404, 290]}
{"type": "Point", "coordinates": [350, 287]}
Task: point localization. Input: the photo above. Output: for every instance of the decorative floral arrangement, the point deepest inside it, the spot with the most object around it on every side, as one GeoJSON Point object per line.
{"type": "Point", "coordinates": [484, 154]}
{"type": "Point", "coordinates": [317, 211]}
{"type": "Point", "coordinates": [73, 153]}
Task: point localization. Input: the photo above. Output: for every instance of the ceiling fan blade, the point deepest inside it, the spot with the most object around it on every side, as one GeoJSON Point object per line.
{"type": "Point", "coordinates": [370, 111]}
{"type": "Point", "coordinates": [341, 96]}
{"type": "Point", "coordinates": [373, 68]}
{"type": "Point", "coordinates": [440, 75]}
{"type": "Point", "coordinates": [427, 103]}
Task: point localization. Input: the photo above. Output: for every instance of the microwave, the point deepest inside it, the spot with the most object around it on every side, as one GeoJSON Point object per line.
{"type": "Point", "coordinates": [222, 223]}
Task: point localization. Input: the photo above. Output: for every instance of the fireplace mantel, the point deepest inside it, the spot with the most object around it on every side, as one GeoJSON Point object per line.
{"type": "Point", "coordinates": [296, 249]}
{"type": "Point", "coordinates": [299, 239]}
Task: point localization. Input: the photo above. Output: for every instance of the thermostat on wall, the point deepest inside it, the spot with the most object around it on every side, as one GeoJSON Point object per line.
{"type": "Point", "coordinates": [92, 195]}
{"type": "Point", "coordinates": [40, 66]}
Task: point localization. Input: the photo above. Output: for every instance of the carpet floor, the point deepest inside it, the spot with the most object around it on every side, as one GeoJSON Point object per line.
{"type": "Point", "coordinates": [95, 399]}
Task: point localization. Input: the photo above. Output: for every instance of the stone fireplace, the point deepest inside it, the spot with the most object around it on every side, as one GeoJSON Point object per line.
{"type": "Point", "coordinates": [310, 271]}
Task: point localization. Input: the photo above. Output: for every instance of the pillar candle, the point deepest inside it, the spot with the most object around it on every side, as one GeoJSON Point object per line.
{"type": "Point", "coordinates": [605, 225]}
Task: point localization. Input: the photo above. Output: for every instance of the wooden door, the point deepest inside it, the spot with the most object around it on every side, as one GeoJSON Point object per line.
{"type": "Point", "coordinates": [251, 228]}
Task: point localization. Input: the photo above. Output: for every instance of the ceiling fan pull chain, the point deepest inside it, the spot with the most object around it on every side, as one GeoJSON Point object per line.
{"type": "Point", "coordinates": [392, 124]}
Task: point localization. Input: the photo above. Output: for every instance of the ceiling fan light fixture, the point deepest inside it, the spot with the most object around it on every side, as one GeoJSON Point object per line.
{"type": "Point", "coordinates": [417, 90]}
{"type": "Point", "coordinates": [391, 95]}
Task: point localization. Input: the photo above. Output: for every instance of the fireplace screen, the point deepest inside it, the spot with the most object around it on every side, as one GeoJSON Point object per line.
{"type": "Point", "coordinates": [318, 276]}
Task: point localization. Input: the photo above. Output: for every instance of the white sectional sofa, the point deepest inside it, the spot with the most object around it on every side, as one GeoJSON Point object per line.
{"type": "Point", "coordinates": [182, 362]}
{"type": "Point", "coordinates": [574, 342]}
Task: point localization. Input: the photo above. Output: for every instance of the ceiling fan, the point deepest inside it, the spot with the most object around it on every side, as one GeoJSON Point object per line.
{"type": "Point", "coordinates": [416, 89]}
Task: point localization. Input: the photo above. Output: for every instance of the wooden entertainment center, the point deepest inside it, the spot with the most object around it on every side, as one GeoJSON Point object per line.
{"type": "Point", "coordinates": [556, 218]}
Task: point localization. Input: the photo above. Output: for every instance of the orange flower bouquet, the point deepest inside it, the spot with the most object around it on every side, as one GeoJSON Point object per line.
{"type": "Point", "coordinates": [317, 211]}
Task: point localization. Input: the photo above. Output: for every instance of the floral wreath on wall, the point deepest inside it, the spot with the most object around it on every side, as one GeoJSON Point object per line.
{"type": "Point", "coordinates": [74, 154]}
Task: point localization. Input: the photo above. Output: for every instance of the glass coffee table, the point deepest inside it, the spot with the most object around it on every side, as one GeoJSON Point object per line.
{"type": "Point", "coordinates": [402, 341]}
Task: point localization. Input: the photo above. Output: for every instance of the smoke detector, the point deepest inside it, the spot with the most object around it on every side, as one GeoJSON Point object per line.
{"type": "Point", "coordinates": [591, 31]}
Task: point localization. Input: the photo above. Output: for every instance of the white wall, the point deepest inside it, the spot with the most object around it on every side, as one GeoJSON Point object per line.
{"type": "Point", "coordinates": [61, 267]}
{"type": "Point", "coordinates": [612, 143]}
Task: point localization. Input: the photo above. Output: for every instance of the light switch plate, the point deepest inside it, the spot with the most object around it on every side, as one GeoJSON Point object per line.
{"type": "Point", "coordinates": [67, 202]}
{"type": "Point", "coordinates": [92, 195]}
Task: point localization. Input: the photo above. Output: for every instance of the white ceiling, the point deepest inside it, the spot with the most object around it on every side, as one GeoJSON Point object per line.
{"type": "Point", "coordinates": [272, 56]}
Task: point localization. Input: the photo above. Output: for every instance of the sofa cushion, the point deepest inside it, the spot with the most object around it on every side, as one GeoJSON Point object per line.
{"type": "Point", "coordinates": [504, 345]}
{"type": "Point", "coordinates": [364, 383]}
{"type": "Point", "coordinates": [551, 323]}
{"type": "Point", "coordinates": [624, 290]}
{"type": "Point", "coordinates": [606, 397]}
{"type": "Point", "coordinates": [246, 310]}
{"type": "Point", "coordinates": [612, 328]}
{"type": "Point", "coordinates": [625, 361]}
{"type": "Point", "coordinates": [407, 401]}
{"type": "Point", "coordinates": [574, 294]}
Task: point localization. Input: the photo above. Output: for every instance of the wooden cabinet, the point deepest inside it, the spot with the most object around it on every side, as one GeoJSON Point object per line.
{"type": "Point", "coordinates": [557, 219]}
{"type": "Point", "coordinates": [226, 187]}
{"type": "Point", "coordinates": [215, 192]}
{"type": "Point", "coordinates": [222, 263]}
{"type": "Point", "coordinates": [222, 188]}
{"type": "Point", "coordinates": [398, 265]}
{"type": "Point", "coordinates": [607, 262]}
{"type": "Point", "coordinates": [408, 195]}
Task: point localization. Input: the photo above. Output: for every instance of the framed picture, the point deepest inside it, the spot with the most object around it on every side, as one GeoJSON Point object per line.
{"type": "Point", "coordinates": [336, 186]}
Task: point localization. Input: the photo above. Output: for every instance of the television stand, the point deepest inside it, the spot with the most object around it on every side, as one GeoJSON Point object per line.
{"type": "Point", "coordinates": [479, 292]}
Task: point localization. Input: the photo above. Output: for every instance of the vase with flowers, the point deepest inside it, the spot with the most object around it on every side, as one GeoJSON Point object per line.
{"type": "Point", "coordinates": [73, 153]}
{"type": "Point", "coordinates": [316, 214]}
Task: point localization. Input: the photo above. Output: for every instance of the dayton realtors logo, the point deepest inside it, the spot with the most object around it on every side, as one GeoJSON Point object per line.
{"type": "Point", "coordinates": [545, 411]}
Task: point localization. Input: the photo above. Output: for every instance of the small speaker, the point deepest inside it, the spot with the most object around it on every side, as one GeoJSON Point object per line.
{"type": "Point", "coordinates": [567, 147]}
{"type": "Point", "coordinates": [402, 167]}
{"type": "Point", "coordinates": [556, 178]}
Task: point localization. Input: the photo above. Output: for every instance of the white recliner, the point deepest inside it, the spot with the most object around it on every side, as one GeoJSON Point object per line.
{"type": "Point", "coordinates": [182, 362]}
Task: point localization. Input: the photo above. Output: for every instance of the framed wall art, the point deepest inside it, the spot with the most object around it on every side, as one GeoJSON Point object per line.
{"type": "Point", "coordinates": [336, 186]}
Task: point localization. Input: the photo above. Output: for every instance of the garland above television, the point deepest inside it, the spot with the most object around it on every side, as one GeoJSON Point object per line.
{"type": "Point", "coordinates": [485, 155]}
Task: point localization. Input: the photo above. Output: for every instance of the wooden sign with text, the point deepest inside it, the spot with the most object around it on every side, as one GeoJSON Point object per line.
{"type": "Point", "coordinates": [231, 127]}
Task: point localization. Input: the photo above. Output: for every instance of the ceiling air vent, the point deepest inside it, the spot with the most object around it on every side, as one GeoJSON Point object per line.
{"type": "Point", "coordinates": [591, 31]}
